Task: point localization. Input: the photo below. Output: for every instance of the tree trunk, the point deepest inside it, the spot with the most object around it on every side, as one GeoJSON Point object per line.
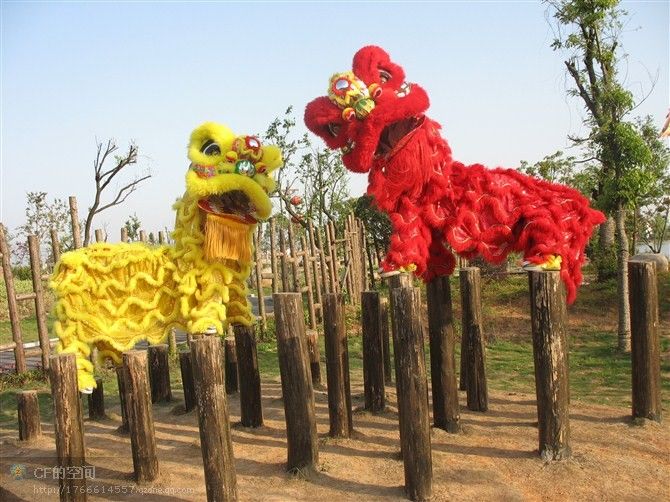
{"type": "Point", "coordinates": [606, 233]}
{"type": "Point", "coordinates": [622, 280]}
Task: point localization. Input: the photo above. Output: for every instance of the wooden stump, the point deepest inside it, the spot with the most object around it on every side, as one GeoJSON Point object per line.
{"type": "Point", "coordinates": [187, 379]}
{"type": "Point", "coordinates": [68, 425]}
{"type": "Point", "coordinates": [30, 426]}
{"type": "Point", "coordinates": [373, 352]}
{"type": "Point", "coordinates": [645, 340]}
{"type": "Point", "coordinates": [215, 440]}
{"type": "Point", "coordinates": [386, 340]}
{"type": "Point", "coordinates": [251, 410]}
{"type": "Point", "coordinates": [473, 337]}
{"type": "Point", "coordinates": [446, 412]}
{"type": "Point", "coordinates": [140, 417]}
{"type": "Point", "coordinates": [550, 354]}
{"type": "Point", "coordinates": [40, 309]}
{"type": "Point", "coordinates": [172, 344]}
{"type": "Point", "coordinates": [12, 304]}
{"type": "Point", "coordinates": [303, 453]}
{"type": "Point", "coordinates": [314, 357]}
{"type": "Point", "coordinates": [96, 402]}
{"type": "Point", "coordinates": [231, 366]}
{"type": "Point", "coordinates": [412, 392]}
{"type": "Point", "coordinates": [337, 367]}
{"type": "Point", "coordinates": [159, 374]}
{"type": "Point", "coordinates": [121, 382]}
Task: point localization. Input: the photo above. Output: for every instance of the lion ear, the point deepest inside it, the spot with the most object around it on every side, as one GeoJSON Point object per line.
{"type": "Point", "coordinates": [272, 157]}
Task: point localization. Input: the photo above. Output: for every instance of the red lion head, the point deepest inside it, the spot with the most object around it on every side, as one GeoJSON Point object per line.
{"type": "Point", "coordinates": [369, 111]}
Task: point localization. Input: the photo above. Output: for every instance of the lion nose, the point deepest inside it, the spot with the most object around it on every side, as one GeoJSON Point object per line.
{"type": "Point", "coordinates": [363, 107]}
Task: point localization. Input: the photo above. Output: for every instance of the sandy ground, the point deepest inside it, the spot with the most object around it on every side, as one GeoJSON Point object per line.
{"type": "Point", "coordinates": [494, 458]}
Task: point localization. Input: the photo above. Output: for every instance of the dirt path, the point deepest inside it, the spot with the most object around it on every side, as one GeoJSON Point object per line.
{"type": "Point", "coordinates": [495, 457]}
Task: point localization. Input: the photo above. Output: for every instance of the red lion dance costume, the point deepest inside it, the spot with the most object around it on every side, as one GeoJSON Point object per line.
{"type": "Point", "coordinates": [378, 121]}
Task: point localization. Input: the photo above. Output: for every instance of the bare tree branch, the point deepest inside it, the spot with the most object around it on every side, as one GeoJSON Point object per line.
{"type": "Point", "coordinates": [103, 178]}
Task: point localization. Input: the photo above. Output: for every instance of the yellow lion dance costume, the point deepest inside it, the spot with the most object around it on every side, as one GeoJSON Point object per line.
{"type": "Point", "coordinates": [113, 295]}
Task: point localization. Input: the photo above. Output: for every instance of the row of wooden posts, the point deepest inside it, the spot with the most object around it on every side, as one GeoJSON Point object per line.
{"type": "Point", "coordinates": [144, 379]}
{"type": "Point", "coordinates": [315, 263]}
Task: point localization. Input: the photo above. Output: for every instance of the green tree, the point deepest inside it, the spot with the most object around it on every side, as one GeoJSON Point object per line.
{"type": "Point", "coordinates": [41, 217]}
{"type": "Point", "coordinates": [317, 177]}
{"type": "Point", "coordinates": [567, 170]}
{"type": "Point", "coordinates": [588, 31]}
{"type": "Point", "coordinates": [377, 223]}
{"type": "Point", "coordinates": [132, 226]}
{"type": "Point", "coordinates": [647, 189]}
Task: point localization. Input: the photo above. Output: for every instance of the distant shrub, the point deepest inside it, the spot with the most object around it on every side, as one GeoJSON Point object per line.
{"type": "Point", "coordinates": [22, 272]}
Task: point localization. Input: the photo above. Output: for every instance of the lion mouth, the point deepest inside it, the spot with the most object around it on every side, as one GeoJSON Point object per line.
{"type": "Point", "coordinates": [393, 134]}
{"type": "Point", "coordinates": [234, 204]}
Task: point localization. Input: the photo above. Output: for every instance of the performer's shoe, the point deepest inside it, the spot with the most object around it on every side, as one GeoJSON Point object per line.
{"type": "Point", "coordinates": [553, 263]}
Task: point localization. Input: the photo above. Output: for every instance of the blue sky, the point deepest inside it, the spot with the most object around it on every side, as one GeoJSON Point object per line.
{"type": "Point", "coordinates": [150, 72]}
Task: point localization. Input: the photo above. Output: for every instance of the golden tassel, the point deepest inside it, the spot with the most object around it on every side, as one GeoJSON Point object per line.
{"type": "Point", "coordinates": [227, 239]}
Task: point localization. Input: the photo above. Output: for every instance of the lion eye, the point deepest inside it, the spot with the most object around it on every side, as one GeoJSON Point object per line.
{"type": "Point", "coordinates": [334, 129]}
{"type": "Point", "coordinates": [384, 76]}
{"type": "Point", "coordinates": [210, 148]}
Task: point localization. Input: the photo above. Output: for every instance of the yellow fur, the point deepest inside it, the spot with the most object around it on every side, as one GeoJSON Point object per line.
{"type": "Point", "coordinates": [114, 295]}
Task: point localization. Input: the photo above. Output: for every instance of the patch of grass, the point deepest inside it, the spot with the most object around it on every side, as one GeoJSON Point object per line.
{"type": "Point", "coordinates": [28, 329]}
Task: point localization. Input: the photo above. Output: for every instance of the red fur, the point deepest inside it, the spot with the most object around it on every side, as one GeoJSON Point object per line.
{"type": "Point", "coordinates": [432, 199]}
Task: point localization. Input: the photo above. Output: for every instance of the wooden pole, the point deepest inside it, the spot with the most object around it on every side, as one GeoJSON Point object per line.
{"type": "Point", "coordinates": [273, 258]}
{"type": "Point", "coordinates": [314, 357]}
{"type": "Point", "coordinates": [28, 405]}
{"type": "Point", "coordinates": [337, 367]}
{"type": "Point", "coordinates": [161, 237]}
{"type": "Point", "coordinates": [475, 350]}
{"type": "Point", "coordinates": [350, 263]}
{"type": "Point", "coordinates": [314, 260]}
{"type": "Point", "coordinates": [412, 393]}
{"type": "Point", "coordinates": [12, 304]}
{"type": "Point", "coordinates": [172, 344]}
{"type": "Point", "coordinates": [251, 410]}
{"type": "Point", "coordinates": [231, 372]}
{"type": "Point", "coordinates": [99, 236]}
{"type": "Point", "coordinates": [124, 234]}
{"type": "Point", "coordinates": [140, 416]}
{"type": "Point", "coordinates": [446, 413]}
{"type": "Point", "coordinates": [121, 382]}
{"type": "Point", "coordinates": [215, 440]}
{"type": "Point", "coordinates": [68, 426]}
{"type": "Point", "coordinates": [159, 374]}
{"type": "Point", "coordinates": [324, 276]}
{"type": "Point", "coordinates": [308, 283]}
{"type": "Point", "coordinates": [55, 245]}
{"type": "Point", "coordinates": [187, 379]}
{"type": "Point", "coordinates": [363, 249]}
{"type": "Point", "coordinates": [371, 267]}
{"type": "Point", "coordinates": [294, 259]}
{"type": "Point", "coordinates": [334, 262]}
{"type": "Point", "coordinates": [303, 453]}
{"type": "Point", "coordinates": [143, 236]}
{"type": "Point", "coordinates": [259, 280]}
{"type": "Point", "coordinates": [96, 401]}
{"type": "Point", "coordinates": [74, 222]}
{"type": "Point", "coordinates": [384, 313]}
{"type": "Point", "coordinates": [282, 261]}
{"type": "Point", "coordinates": [36, 271]}
{"type": "Point", "coordinates": [373, 352]}
{"type": "Point", "coordinates": [645, 340]}
{"type": "Point", "coordinates": [550, 354]}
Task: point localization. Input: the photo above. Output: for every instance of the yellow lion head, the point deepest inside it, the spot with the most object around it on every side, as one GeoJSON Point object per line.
{"type": "Point", "coordinates": [230, 179]}
{"type": "Point", "coordinates": [231, 175]}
